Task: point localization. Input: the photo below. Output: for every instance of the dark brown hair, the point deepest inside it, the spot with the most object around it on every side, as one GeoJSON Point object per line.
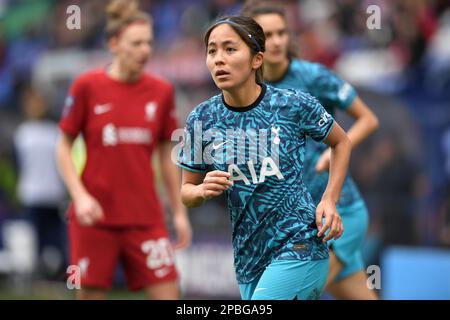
{"type": "Point", "coordinates": [122, 13]}
{"type": "Point", "coordinates": [253, 8]}
{"type": "Point", "coordinates": [249, 31]}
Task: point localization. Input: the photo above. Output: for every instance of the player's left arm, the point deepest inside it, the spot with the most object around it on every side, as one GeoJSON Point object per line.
{"type": "Point", "coordinates": [171, 175]}
{"type": "Point", "coordinates": [340, 147]}
{"type": "Point", "coordinates": [366, 122]}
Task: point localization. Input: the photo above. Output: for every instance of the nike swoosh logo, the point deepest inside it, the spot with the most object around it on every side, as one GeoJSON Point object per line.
{"type": "Point", "coordinates": [102, 108]}
{"type": "Point", "coordinates": [217, 146]}
{"type": "Point", "coordinates": [260, 289]}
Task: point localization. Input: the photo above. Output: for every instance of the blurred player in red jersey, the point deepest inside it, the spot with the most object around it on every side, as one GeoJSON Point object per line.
{"type": "Point", "coordinates": [124, 115]}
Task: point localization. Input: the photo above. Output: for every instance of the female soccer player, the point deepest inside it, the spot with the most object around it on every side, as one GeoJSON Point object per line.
{"type": "Point", "coordinates": [347, 279]}
{"type": "Point", "coordinates": [249, 143]}
{"type": "Point", "coordinates": [124, 115]}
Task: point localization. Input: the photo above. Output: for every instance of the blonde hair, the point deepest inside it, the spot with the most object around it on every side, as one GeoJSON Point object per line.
{"type": "Point", "coordinates": [122, 13]}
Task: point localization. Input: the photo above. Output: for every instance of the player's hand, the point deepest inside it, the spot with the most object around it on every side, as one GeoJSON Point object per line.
{"type": "Point", "coordinates": [214, 184]}
{"type": "Point", "coordinates": [323, 164]}
{"type": "Point", "coordinates": [182, 228]}
{"type": "Point", "coordinates": [87, 210]}
{"type": "Point", "coordinates": [333, 221]}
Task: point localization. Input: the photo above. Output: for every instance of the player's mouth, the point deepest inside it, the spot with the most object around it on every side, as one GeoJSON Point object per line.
{"type": "Point", "coordinates": [220, 74]}
{"type": "Point", "coordinates": [276, 52]}
{"type": "Point", "coordinates": [142, 61]}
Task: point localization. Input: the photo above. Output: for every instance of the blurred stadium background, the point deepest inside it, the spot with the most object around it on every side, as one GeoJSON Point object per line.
{"type": "Point", "coordinates": [401, 70]}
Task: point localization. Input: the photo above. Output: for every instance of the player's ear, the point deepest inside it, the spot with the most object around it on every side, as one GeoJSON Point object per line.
{"type": "Point", "coordinates": [258, 60]}
{"type": "Point", "coordinates": [113, 44]}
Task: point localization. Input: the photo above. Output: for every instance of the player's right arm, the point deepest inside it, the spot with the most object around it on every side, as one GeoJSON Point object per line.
{"type": "Point", "coordinates": [197, 187]}
{"type": "Point", "coordinates": [87, 208]}
{"type": "Point", "coordinates": [198, 184]}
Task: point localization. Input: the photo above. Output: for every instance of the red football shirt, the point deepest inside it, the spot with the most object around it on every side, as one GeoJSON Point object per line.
{"type": "Point", "coordinates": [121, 124]}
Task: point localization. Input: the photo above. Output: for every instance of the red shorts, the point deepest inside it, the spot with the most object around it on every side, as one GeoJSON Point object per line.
{"type": "Point", "coordinates": [145, 252]}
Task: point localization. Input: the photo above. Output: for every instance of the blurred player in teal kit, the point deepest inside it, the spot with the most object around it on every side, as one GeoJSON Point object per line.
{"type": "Point", "coordinates": [347, 279]}
{"type": "Point", "coordinates": [251, 147]}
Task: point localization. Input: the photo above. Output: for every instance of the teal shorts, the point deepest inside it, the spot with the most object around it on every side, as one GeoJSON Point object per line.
{"type": "Point", "coordinates": [348, 247]}
{"type": "Point", "coordinates": [288, 280]}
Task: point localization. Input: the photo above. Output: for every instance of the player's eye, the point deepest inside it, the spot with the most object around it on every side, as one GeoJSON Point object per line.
{"type": "Point", "coordinates": [230, 50]}
{"type": "Point", "coordinates": [211, 51]}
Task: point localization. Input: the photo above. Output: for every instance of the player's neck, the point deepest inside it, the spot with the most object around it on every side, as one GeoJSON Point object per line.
{"type": "Point", "coordinates": [121, 74]}
{"type": "Point", "coordinates": [242, 96]}
{"type": "Point", "coordinates": [273, 72]}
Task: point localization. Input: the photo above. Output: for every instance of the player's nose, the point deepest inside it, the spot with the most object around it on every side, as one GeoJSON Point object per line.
{"type": "Point", "coordinates": [146, 49]}
{"type": "Point", "coordinates": [276, 40]}
{"type": "Point", "coordinates": [219, 58]}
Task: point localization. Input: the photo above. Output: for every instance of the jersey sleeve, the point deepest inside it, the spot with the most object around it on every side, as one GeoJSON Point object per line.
{"type": "Point", "coordinates": [330, 89]}
{"type": "Point", "coordinates": [75, 109]}
{"type": "Point", "coordinates": [190, 156]}
{"type": "Point", "coordinates": [315, 121]}
{"type": "Point", "coordinates": [169, 117]}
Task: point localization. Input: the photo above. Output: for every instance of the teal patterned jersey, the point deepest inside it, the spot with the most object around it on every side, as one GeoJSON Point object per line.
{"type": "Point", "coordinates": [262, 146]}
{"type": "Point", "coordinates": [333, 93]}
